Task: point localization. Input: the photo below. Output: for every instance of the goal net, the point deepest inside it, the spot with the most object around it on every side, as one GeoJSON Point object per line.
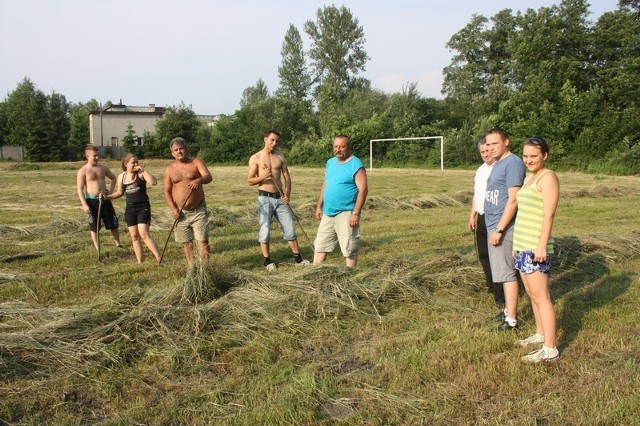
{"type": "Point", "coordinates": [425, 138]}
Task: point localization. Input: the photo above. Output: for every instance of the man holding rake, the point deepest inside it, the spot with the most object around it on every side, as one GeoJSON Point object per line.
{"type": "Point", "coordinates": [183, 180]}
{"type": "Point", "coordinates": [92, 187]}
{"type": "Point", "coordinates": [267, 168]}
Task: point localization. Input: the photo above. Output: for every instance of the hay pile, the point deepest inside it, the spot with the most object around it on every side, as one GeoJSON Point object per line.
{"type": "Point", "coordinates": [216, 307]}
{"type": "Point", "coordinates": [221, 305]}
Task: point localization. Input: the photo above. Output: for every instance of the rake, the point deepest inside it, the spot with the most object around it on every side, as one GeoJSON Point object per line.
{"type": "Point", "coordinates": [174, 225]}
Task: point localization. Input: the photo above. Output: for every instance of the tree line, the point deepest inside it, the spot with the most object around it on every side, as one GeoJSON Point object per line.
{"type": "Point", "coordinates": [549, 72]}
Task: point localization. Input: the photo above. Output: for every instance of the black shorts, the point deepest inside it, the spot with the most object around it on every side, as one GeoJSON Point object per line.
{"type": "Point", "coordinates": [108, 214]}
{"type": "Point", "coordinates": [135, 214]}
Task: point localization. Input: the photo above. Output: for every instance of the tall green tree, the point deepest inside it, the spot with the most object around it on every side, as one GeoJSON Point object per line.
{"type": "Point", "coordinates": [79, 134]}
{"type": "Point", "coordinates": [178, 121]}
{"type": "Point", "coordinates": [130, 141]}
{"type": "Point", "coordinates": [552, 46]}
{"type": "Point", "coordinates": [58, 126]}
{"type": "Point", "coordinates": [27, 124]}
{"type": "Point", "coordinates": [293, 104]}
{"type": "Point", "coordinates": [466, 76]}
{"type": "Point", "coordinates": [236, 138]}
{"type": "Point", "coordinates": [480, 74]}
{"type": "Point", "coordinates": [617, 53]}
{"type": "Point", "coordinates": [337, 48]}
{"type": "Point", "coordinates": [295, 80]}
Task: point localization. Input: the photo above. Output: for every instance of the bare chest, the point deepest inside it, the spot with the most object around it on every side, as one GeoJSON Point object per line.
{"type": "Point", "coordinates": [95, 174]}
{"type": "Point", "coordinates": [181, 173]}
{"type": "Point", "coordinates": [273, 163]}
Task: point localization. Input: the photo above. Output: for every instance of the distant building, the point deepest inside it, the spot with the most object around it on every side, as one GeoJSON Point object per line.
{"type": "Point", "coordinates": [210, 120]}
{"type": "Point", "coordinates": [107, 128]}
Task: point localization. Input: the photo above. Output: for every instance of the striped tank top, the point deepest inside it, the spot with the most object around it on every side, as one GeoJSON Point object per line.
{"type": "Point", "coordinates": [528, 227]}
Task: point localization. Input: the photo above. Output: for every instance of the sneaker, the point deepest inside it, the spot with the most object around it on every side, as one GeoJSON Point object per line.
{"type": "Point", "coordinates": [271, 267]}
{"type": "Point", "coordinates": [505, 326]}
{"type": "Point", "coordinates": [534, 339]}
{"type": "Point", "coordinates": [540, 355]}
{"type": "Point", "coordinates": [305, 262]}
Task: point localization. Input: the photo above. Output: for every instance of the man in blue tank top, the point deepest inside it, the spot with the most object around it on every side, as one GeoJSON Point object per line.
{"type": "Point", "coordinates": [342, 197]}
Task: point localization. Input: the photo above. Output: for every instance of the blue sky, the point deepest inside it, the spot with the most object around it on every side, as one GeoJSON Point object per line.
{"type": "Point", "coordinates": [205, 53]}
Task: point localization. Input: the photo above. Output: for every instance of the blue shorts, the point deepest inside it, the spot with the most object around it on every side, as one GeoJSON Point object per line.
{"type": "Point", "coordinates": [268, 207]}
{"type": "Point", "coordinates": [525, 264]}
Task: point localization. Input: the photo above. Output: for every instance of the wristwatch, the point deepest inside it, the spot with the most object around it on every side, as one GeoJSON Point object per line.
{"type": "Point", "coordinates": [498, 230]}
{"type": "Point", "coordinates": [355, 213]}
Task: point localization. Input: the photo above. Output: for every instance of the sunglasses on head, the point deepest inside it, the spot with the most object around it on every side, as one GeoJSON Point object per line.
{"type": "Point", "coordinates": [535, 141]}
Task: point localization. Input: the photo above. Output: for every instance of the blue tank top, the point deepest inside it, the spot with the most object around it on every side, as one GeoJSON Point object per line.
{"type": "Point", "coordinates": [340, 191]}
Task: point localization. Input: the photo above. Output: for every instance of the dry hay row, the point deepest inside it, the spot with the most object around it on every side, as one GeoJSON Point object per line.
{"type": "Point", "coordinates": [54, 250]}
{"type": "Point", "coordinates": [230, 307]}
{"type": "Point", "coordinates": [463, 198]}
{"type": "Point", "coordinates": [612, 247]}
{"type": "Point", "coordinates": [456, 199]}
{"type": "Point", "coordinates": [600, 191]}
{"type": "Point", "coordinates": [58, 225]}
{"type": "Point", "coordinates": [7, 276]}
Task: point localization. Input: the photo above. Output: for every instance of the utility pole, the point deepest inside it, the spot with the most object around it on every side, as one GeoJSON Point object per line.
{"type": "Point", "coordinates": [101, 132]}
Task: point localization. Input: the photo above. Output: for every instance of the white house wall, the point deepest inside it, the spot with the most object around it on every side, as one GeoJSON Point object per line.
{"type": "Point", "coordinates": [114, 125]}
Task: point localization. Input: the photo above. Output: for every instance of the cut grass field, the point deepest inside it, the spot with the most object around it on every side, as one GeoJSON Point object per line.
{"type": "Point", "coordinates": [402, 339]}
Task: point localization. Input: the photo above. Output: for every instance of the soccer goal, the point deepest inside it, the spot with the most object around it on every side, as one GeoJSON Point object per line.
{"type": "Point", "coordinates": [408, 139]}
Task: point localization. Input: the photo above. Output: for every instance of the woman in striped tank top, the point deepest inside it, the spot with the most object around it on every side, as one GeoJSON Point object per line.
{"type": "Point", "coordinates": [533, 245]}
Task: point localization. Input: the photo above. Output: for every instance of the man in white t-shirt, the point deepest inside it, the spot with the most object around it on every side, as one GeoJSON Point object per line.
{"type": "Point", "coordinates": [477, 223]}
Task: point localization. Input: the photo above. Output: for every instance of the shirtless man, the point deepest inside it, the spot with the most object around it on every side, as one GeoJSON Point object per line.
{"type": "Point", "coordinates": [266, 169]}
{"type": "Point", "coordinates": [183, 180]}
{"type": "Point", "coordinates": [91, 186]}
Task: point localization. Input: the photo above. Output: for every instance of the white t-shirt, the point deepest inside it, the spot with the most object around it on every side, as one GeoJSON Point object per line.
{"type": "Point", "coordinates": [480, 186]}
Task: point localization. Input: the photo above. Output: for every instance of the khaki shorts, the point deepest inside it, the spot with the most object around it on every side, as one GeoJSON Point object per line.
{"type": "Point", "coordinates": [336, 230]}
{"type": "Point", "coordinates": [193, 223]}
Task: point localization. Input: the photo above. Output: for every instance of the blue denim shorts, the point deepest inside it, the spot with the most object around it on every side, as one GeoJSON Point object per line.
{"type": "Point", "coordinates": [525, 264]}
{"type": "Point", "coordinates": [269, 207]}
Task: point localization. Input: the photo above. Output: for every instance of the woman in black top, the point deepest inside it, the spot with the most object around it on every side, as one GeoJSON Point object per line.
{"type": "Point", "coordinates": [137, 214]}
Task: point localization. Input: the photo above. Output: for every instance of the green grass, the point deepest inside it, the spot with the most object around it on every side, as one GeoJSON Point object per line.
{"type": "Point", "coordinates": [403, 339]}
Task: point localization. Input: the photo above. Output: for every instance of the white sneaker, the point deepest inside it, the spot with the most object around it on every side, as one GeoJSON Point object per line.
{"type": "Point", "coordinates": [305, 262]}
{"type": "Point", "coordinates": [271, 267]}
{"type": "Point", "coordinates": [540, 355]}
{"type": "Point", "coordinates": [534, 339]}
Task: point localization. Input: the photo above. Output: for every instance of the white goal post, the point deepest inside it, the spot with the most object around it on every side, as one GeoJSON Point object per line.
{"type": "Point", "coordinates": [407, 139]}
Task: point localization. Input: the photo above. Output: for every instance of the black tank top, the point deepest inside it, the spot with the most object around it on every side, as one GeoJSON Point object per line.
{"type": "Point", "coordinates": [136, 191]}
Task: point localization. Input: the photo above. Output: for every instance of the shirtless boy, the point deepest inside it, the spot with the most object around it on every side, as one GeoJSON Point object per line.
{"type": "Point", "coordinates": [91, 186]}
{"type": "Point", "coordinates": [267, 168]}
{"type": "Point", "coordinates": [183, 180]}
